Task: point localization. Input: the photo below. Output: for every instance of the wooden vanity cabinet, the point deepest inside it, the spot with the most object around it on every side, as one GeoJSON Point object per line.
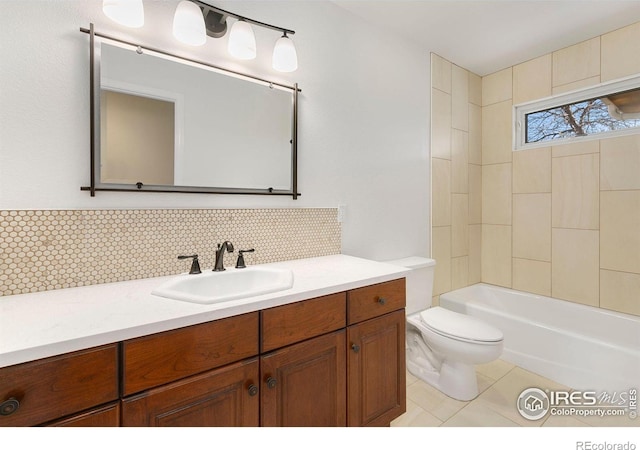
{"type": "Point", "coordinates": [376, 367]}
{"type": "Point", "coordinates": [334, 360]}
{"type": "Point", "coordinates": [41, 391]}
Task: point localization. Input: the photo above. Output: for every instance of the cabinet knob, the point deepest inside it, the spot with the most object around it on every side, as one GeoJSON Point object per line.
{"type": "Point", "coordinates": [381, 300]}
{"type": "Point", "coordinates": [355, 347]}
{"type": "Point", "coordinates": [253, 390]}
{"type": "Point", "coordinates": [9, 406]}
{"type": "Point", "coordinates": [271, 382]}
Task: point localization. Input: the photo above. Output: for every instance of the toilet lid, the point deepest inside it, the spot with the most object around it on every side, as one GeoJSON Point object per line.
{"type": "Point", "coordinates": [456, 325]}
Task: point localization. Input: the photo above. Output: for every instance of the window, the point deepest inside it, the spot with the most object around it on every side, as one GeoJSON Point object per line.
{"type": "Point", "coordinates": [606, 110]}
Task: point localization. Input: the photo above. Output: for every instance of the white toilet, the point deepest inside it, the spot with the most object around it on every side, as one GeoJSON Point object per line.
{"type": "Point", "coordinates": [442, 345]}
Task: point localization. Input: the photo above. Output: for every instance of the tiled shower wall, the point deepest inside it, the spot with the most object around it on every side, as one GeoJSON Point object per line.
{"type": "Point", "coordinates": [563, 221]}
{"type": "Point", "coordinates": [52, 249]}
{"type": "Point", "coordinates": [456, 150]}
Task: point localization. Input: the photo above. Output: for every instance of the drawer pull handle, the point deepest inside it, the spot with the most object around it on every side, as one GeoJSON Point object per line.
{"type": "Point", "coordinates": [271, 382]}
{"type": "Point", "coordinates": [253, 390]}
{"type": "Point", "coordinates": [9, 406]}
{"type": "Point", "coordinates": [355, 347]}
{"type": "Point", "coordinates": [381, 300]}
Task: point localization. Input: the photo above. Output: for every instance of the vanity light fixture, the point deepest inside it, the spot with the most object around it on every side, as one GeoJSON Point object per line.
{"type": "Point", "coordinates": [242, 41]}
{"type": "Point", "coordinates": [129, 13]}
{"type": "Point", "coordinates": [194, 20]}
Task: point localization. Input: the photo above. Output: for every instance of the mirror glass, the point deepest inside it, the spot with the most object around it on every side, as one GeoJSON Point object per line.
{"type": "Point", "coordinates": [168, 124]}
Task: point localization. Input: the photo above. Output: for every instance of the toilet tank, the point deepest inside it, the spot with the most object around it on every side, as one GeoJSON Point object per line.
{"type": "Point", "coordinates": [419, 281]}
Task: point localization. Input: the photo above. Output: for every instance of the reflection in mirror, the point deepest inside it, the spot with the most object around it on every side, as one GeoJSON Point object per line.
{"type": "Point", "coordinates": [167, 124]}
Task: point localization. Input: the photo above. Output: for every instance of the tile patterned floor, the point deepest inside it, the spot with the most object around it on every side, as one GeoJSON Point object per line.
{"type": "Point", "coordinates": [499, 383]}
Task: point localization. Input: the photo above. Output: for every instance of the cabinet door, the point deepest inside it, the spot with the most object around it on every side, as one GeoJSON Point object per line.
{"type": "Point", "coordinates": [225, 397]}
{"type": "Point", "coordinates": [376, 370]}
{"type": "Point", "coordinates": [107, 416]}
{"type": "Point", "coordinates": [305, 384]}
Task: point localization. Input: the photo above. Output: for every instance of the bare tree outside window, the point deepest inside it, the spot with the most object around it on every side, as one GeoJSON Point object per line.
{"type": "Point", "coordinates": [610, 113]}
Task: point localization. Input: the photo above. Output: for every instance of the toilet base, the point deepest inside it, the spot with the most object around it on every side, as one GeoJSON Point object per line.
{"type": "Point", "coordinates": [457, 380]}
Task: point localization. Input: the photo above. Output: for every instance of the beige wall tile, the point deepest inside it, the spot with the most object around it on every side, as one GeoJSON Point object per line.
{"type": "Point", "coordinates": [577, 62]}
{"type": "Point", "coordinates": [435, 301]}
{"type": "Point", "coordinates": [475, 89]}
{"type": "Point", "coordinates": [475, 134]}
{"type": "Point", "coordinates": [532, 276]}
{"type": "Point", "coordinates": [440, 73]}
{"type": "Point", "coordinates": [475, 257]}
{"type": "Point", "coordinates": [496, 255]}
{"type": "Point", "coordinates": [441, 252]}
{"type": "Point", "coordinates": [620, 163]}
{"type": "Point", "coordinates": [577, 148]}
{"type": "Point", "coordinates": [532, 170]}
{"type": "Point", "coordinates": [475, 194]}
{"type": "Point", "coordinates": [582, 84]}
{"type": "Point", "coordinates": [440, 124]}
{"type": "Point", "coordinates": [459, 161]}
{"type": "Point", "coordinates": [620, 53]}
{"type": "Point", "coordinates": [574, 266]}
{"type": "Point", "coordinates": [459, 225]}
{"type": "Point", "coordinates": [620, 291]}
{"type": "Point", "coordinates": [497, 126]}
{"type": "Point", "coordinates": [620, 231]}
{"type": "Point", "coordinates": [459, 272]}
{"type": "Point", "coordinates": [576, 192]}
{"type": "Point", "coordinates": [496, 194]}
{"type": "Point", "coordinates": [532, 79]}
{"type": "Point", "coordinates": [459, 98]}
{"type": "Point", "coordinates": [532, 226]}
{"type": "Point", "coordinates": [440, 192]}
{"type": "Point", "coordinates": [497, 87]}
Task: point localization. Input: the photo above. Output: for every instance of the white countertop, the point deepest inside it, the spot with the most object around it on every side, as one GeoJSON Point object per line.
{"type": "Point", "coordinates": [43, 324]}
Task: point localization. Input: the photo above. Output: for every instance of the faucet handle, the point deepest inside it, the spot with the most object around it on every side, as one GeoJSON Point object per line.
{"type": "Point", "coordinates": [240, 263]}
{"type": "Point", "coordinates": [195, 265]}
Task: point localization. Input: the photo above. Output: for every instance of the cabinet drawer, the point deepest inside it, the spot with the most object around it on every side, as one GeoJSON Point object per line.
{"type": "Point", "coordinates": [375, 300]}
{"type": "Point", "coordinates": [164, 357]}
{"type": "Point", "coordinates": [59, 386]}
{"type": "Point", "coordinates": [287, 324]}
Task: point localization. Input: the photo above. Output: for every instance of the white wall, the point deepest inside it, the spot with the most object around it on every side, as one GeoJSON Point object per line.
{"type": "Point", "coordinates": [364, 115]}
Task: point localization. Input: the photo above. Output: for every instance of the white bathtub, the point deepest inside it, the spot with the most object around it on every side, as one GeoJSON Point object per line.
{"type": "Point", "coordinates": [582, 347]}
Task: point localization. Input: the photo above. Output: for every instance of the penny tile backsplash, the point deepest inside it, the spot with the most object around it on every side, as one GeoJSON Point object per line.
{"type": "Point", "coordinates": [52, 249]}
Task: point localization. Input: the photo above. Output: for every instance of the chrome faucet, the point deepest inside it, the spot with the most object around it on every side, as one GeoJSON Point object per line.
{"type": "Point", "coordinates": [219, 264]}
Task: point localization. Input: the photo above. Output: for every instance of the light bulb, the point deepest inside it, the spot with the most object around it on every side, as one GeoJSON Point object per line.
{"type": "Point", "coordinates": [242, 42]}
{"type": "Point", "coordinates": [188, 24]}
{"type": "Point", "coordinates": [285, 58]}
{"type": "Point", "coordinates": [129, 13]}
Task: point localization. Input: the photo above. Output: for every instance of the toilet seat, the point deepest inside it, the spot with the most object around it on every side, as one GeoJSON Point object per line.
{"type": "Point", "coordinates": [459, 326]}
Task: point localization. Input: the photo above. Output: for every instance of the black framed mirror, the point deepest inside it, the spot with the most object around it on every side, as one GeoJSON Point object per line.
{"type": "Point", "coordinates": [164, 123]}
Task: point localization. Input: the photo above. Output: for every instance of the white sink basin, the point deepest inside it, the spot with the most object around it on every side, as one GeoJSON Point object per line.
{"type": "Point", "coordinates": [214, 287]}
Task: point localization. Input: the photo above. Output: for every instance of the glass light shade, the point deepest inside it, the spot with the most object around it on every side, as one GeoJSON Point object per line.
{"type": "Point", "coordinates": [242, 41]}
{"type": "Point", "coordinates": [285, 58]}
{"type": "Point", "coordinates": [129, 13]}
{"type": "Point", "coordinates": [188, 24]}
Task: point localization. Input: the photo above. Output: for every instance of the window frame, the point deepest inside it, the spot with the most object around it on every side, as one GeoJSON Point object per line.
{"type": "Point", "coordinates": [521, 110]}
